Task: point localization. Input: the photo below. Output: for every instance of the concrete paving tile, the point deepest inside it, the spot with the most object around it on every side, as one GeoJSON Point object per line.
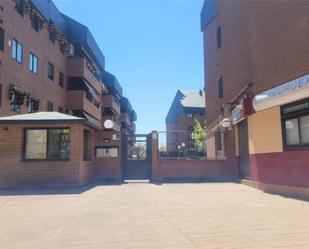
{"type": "Point", "coordinates": [169, 216]}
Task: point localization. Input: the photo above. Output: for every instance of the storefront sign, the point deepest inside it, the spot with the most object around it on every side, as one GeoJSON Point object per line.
{"type": "Point", "coordinates": [283, 94]}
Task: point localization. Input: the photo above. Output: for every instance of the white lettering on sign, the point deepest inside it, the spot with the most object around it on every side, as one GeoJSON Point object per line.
{"type": "Point", "coordinates": [286, 93]}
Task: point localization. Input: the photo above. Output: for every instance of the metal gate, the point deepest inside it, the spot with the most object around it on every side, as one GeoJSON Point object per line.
{"type": "Point", "coordinates": [137, 157]}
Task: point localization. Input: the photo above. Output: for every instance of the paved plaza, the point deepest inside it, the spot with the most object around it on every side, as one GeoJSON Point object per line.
{"type": "Point", "coordinates": [178, 216]}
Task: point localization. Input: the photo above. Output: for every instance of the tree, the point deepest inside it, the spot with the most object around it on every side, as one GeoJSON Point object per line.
{"type": "Point", "coordinates": [199, 136]}
{"type": "Point", "coordinates": [162, 147]}
{"type": "Point", "coordinates": [138, 151]}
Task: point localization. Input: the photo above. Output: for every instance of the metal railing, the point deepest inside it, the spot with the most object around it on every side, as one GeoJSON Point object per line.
{"type": "Point", "coordinates": [182, 144]}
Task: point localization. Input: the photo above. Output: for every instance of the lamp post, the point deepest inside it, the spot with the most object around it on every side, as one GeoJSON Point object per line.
{"type": "Point", "coordinates": [226, 123]}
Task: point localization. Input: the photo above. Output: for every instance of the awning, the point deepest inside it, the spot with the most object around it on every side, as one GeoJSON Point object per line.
{"type": "Point", "coordinates": [79, 83]}
{"type": "Point", "coordinates": [90, 119]}
{"type": "Point", "coordinates": [90, 89]}
{"type": "Point", "coordinates": [17, 95]}
{"type": "Point", "coordinates": [33, 97]}
{"type": "Point", "coordinates": [17, 89]}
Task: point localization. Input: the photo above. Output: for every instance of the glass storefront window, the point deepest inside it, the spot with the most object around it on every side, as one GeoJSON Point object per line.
{"type": "Point", "coordinates": [304, 129]}
{"type": "Point", "coordinates": [36, 141]}
{"type": "Point", "coordinates": [296, 124]}
{"type": "Point", "coordinates": [292, 132]}
{"type": "Point", "coordinates": [47, 144]}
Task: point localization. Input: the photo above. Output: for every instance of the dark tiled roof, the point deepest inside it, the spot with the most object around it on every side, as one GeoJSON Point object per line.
{"type": "Point", "coordinates": [74, 31]}
{"type": "Point", "coordinates": [209, 11]}
{"type": "Point", "coordinates": [78, 33]}
{"type": "Point", "coordinates": [125, 104]}
{"type": "Point", "coordinates": [186, 101]}
{"type": "Point", "coordinates": [41, 116]}
{"type": "Point", "coordinates": [111, 82]}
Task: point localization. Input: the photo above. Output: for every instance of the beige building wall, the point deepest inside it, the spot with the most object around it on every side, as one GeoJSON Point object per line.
{"type": "Point", "coordinates": [211, 147]}
{"type": "Point", "coordinates": [264, 132]}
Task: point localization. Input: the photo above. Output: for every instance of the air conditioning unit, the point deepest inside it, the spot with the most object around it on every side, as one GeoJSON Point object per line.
{"type": "Point", "coordinates": [70, 51]}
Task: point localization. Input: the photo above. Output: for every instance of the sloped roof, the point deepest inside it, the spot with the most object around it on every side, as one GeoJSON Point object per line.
{"type": "Point", "coordinates": [209, 11]}
{"type": "Point", "coordinates": [40, 116]}
{"type": "Point", "coordinates": [192, 98]}
{"type": "Point", "coordinates": [74, 31]}
{"type": "Point", "coordinates": [186, 101]}
{"type": "Point", "coordinates": [78, 33]}
{"type": "Point", "coordinates": [111, 82]}
{"type": "Point", "coordinates": [125, 104]}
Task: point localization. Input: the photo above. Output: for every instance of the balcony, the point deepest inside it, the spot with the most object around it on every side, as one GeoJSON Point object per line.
{"type": "Point", "coordinates": [78, 67]}
{"type": "Point", "coordinates": [110, 102]}
{"type": "Point", "coordinates": [125, 118]}
{"type": "Point", "coordinates": [79, 100]}
{"type": "Point", "coordinates": [133, 127]}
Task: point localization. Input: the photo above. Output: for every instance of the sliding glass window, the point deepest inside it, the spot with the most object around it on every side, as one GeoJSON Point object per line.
{"type": "Point", "coordinates": [47, 144]}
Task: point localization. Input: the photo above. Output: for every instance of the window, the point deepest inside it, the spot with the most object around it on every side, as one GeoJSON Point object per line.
{"type": "Point", "coordinates": [47, 144]}
{"type": "Point", "coordinates": [220, 87]}
{"type": "Point", "coordinates": [33, 105]}
{"type": "Point", "coordinates": [107, 152]}
{"type": "Point", "coordinates": [50, 106]}
{"type": "Point", "coordinates": [190, 115]}
{"type": "Point", "coordinates": [61, 79]}
{"type": "Point", "coordinates": [20, 6]}
{"type": "Point", "coordinates": [51, 70]}
{"type": "Point", "coordinates": [218, 142]}
{"type": "Point", "coordinates": [86, 145]}
{"type": "Point", "coordinates": [2, 34]}
{"type": "Point", "coordinates": [35, 23]}
{"type": "Point", "coordinates": [17, 51]}
{"type": "Point", "coordinates": [52, 37]}
{"type": "Point", "coordinates": [33, 63]}
{"type": "Point", "coordinates": [219, 37]}
{"type": "Point", "coordinates": [295, 122]}
{"type": "Point", "coordinates": [89, 96]}
{"type": "Point", "coordinates": [16, 100]}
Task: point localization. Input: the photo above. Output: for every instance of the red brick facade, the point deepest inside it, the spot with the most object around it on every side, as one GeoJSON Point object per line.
{"type": "Point", "coordinates": [97, 101]}
{"type": "Point", "coordinates": [263, 45]}
{"type": "Point", "coordinates": [16, 172]}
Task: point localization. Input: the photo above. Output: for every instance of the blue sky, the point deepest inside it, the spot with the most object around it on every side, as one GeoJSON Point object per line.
{"type": "Point", "coordinates": [153, 47]}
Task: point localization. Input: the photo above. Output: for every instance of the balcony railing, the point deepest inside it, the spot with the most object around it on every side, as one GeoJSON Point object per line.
{"type": "Point", "coordinates": [109, 101]}
{"type": "Point", "coordinates": [77, 67]}
{"type": "Point", "coordinates": [78, 100]}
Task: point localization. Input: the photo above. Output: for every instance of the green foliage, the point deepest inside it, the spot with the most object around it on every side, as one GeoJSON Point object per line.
{"type": "Point", "coordinates": [199, 135]}
{"type": "Point", "coordinates": [162, 147]}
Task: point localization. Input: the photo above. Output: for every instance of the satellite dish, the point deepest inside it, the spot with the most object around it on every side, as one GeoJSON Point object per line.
{"type": "Point", "coordinates": [108, 124]}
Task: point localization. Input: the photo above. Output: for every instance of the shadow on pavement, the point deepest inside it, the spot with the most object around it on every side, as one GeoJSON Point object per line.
{"type": "Point", "coordinates": [55, 190]}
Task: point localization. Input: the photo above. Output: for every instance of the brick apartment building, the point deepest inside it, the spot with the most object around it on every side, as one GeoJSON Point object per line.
{"type": "Point", "coordinates": [187, 107]}
{"type": "Point", "coordinates": [62, 113]}
{"type": "Point", "coordinates": [256, 58]}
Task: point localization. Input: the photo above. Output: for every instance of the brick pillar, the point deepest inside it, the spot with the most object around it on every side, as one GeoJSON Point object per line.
{"type": "Point", "coordinates": [156, 178]}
